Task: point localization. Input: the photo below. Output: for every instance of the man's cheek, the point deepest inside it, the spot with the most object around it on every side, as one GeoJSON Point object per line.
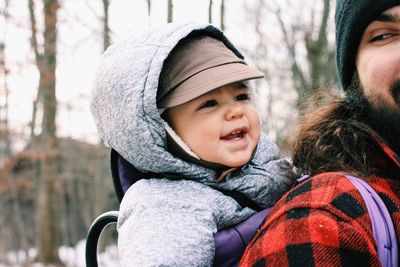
{"type": "Point", "coordinates": [395, 90]}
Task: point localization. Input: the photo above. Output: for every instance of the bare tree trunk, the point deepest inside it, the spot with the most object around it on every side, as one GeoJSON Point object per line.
{"type": "Point", "coordinates": [210, 11]}
{"type": "Point", "coordinates": [47, 212]}
{"type": "Point", "coordinates": [149, 10]}
{"type": "Point", "coordinates": [316, 49]}
{"type": "Point", "coordinates": [87, 212]}
{"type": "Point", "coordinates": [5, 149]}
{"type": "Point", "coordinates": [34, 115]}
{"type": "Point", "coordinates": [38, 59]}
{"type": "Point", "coordinates": [106, 28]}
{"type": "Point", "coordinates": [73, 206]}
{"type": "Point", "coordinates": [22, 237]}
{"type": "Point", "coordinates": [4, 232]}
{"type": "Point", "coordinates": [65, 234]}
{"type": "Point", "coordinates": [170, 11]}
{"type": "Point", "coordinates": [47, 80]}
{"type": "Point", "coordinates": [4, 129]}
{"type": "Point", "coordinates": [47, 207]}
{"type": "Point", "coordinates": [222, 12]}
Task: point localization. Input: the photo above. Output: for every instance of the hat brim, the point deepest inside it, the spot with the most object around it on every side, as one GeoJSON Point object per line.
{"type": "Point", "coordinates": [208, 80]}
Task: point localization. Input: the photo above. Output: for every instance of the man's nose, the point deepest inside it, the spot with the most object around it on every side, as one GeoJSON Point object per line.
{"type": "Point", "coordinates": [234, 110]}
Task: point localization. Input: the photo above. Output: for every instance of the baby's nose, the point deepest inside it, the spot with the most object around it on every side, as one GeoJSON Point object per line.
{"type": "Point", "coordinates": [234, 111]}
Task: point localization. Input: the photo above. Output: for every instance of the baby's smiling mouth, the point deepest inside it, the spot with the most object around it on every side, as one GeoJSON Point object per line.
{"type": "Point", "coordinates": [235, 135]}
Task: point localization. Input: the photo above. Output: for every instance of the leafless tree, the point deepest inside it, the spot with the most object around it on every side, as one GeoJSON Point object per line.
{"type": "Point", "coordinates": [4, 129]}
{"type": "Point", "coordinates": [222, 13]}
{"type": "Point", "coordinates": [46, 144]}
{"type": "Point", "coordinates": [106, 28]}
{"type": "Point", "coordinates": [149, 9]}
{"type": "Point", "coordinates": [170, 11]}
{"type": "Point", "coordinates": [17, 211]}
{"type": "Point", "coordinates": [38, 60]}
{"type": "Point", "coordinates": [210, 11]}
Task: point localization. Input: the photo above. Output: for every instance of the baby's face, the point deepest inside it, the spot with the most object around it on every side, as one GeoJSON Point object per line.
{"type": "Point", "coordinates": [221, 126]}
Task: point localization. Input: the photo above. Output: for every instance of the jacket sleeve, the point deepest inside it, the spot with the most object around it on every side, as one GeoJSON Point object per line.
{"type": "Point", "coordinates": [230, 243]}
{"type": "Point", "coordinates": [165, 224]}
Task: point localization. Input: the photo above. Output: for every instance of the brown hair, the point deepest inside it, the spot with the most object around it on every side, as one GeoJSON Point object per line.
{"type": "Point", "coordinates": [331, 137]}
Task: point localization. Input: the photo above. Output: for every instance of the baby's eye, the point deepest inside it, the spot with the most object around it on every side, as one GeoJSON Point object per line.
{"type": "Point", "coordinates": [243, 97]}
{"type": "Point", "coordinates": [209, 104]}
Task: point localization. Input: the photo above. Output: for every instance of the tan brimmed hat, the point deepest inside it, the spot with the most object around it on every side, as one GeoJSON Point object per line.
{"type": "Point", "coordinates": [197, 66]}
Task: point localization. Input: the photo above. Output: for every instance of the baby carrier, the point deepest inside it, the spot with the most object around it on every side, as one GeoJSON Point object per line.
{"type": "Point", "coordinates": [229, 243]}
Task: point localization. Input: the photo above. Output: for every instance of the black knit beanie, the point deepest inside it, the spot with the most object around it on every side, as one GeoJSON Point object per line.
{"type": "Point", "coordinates": [352, 18]}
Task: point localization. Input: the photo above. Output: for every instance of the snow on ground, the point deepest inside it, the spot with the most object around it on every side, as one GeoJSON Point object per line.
{"type": "Point", "coordinates": [71, 256]}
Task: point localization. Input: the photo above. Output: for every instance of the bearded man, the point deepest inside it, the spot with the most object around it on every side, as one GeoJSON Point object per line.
{"type": "Point", "coordinates": [324, 221]}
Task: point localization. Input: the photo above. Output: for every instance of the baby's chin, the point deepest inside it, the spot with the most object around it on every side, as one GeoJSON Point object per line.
{"type": "Point", "coordinates": [236, 162]}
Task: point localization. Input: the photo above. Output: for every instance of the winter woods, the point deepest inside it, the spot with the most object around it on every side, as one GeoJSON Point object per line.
{"type": "Point", "coordinates": [54, 170]}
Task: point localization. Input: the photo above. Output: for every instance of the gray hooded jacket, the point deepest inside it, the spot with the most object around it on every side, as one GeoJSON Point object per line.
{"type": "Point", "coordinates": [170, 221]}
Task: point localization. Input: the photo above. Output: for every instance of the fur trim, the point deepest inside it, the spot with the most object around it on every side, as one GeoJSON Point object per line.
{"type": "Point", "coordinates": [179, 140]}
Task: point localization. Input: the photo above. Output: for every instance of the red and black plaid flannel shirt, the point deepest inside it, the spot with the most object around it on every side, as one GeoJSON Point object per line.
{"type": "Point", "coordinates": [324, 221]}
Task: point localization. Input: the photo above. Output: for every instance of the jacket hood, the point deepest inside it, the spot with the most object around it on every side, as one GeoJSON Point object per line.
{"type": "Point", "coordinates": [124, 100]}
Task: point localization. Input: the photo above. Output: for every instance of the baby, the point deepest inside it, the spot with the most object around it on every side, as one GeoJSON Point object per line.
{"type": "Point", "coordinates": [174, 103]}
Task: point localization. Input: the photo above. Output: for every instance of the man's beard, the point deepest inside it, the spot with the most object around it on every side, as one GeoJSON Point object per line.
{"type": "Point", "coordinates": [376, 113]}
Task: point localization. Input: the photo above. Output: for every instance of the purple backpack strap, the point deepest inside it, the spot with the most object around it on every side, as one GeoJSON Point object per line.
{"type": "Point", "coordinates": [382, 224]}
{"type": "Point", "coordinates": [230, 243]}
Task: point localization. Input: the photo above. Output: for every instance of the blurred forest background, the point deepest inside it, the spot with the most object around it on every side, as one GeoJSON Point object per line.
{"type": "Point", "coordinates": [54, 171]}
